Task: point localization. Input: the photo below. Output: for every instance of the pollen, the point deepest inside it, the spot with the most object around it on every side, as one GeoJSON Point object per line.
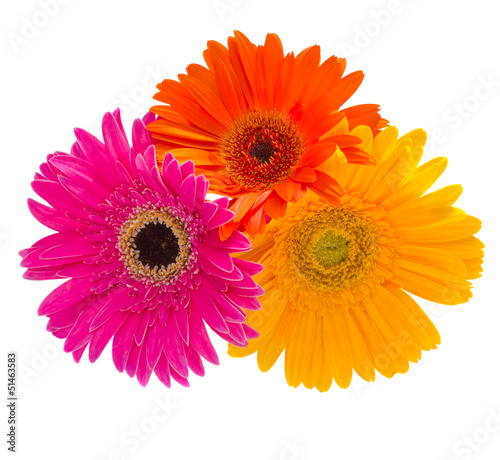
{"type": "Point", "coordinates": [261, 148]}
{"type": "Point", "coordinates": [332, 248]}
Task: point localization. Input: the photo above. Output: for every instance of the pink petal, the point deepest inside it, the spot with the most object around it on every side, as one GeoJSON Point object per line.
{"type": "Point", "coordinates": [51, 218]}
{"type": "Point", "coordinates": [67, 294]}
{"type": "Point", "coordinates": [220, 217]}
{"type": "Point", "coordinates": [250, 332]}
{"type": "Point", "coordinates": [207, 211]}
{"type": "Point", "coordinates": [149, 156]}
{"type": "Point", "coordinates": [237, 242]}
{"type": "Point", "coordinates": [82, 173]}
{"type": "Point", "coordinates": [211, 269]}
{"type": "Point", "coordinates": [80, 334]}
{"type": "Point", "coordinates": [217, 256]}
{"type": "Point", "coordinates": [34, 262]}
{"type": "Point", "coordinates": [66, 317]}
{"type": "Point", "coordinates": [228, 311]}
{"type": "Point", "coordinates": [133, 359]}
{"type": "Point", "coordinates": [179, 378]}
{"type": "Point", "coordinates": [198, 338]}
{"type": "Point", "coordinates": [115, 143]}
{"type": "Point", "coordinates": [208, 311]}
{"type": "Point", "coordinates": [248, 303]}
{"type": "Point", "coordinates": [162, 370]}
{"type": "Point", "coordinates": [109, 309]}
{"type": "Point", "coordinates": [171, 175]}
{"type": "Point", "coordinates": [77, 354]}
{"type": "Point", "coordinates": [118, 118]}
{"type": "Point", "coordinates": [78, 248]}
{"type": "Point", "coordinates": [140, 137]}
{"type": "Point", "coordinates": [100, 156]}
{"type": "Point", "coordinates": [174, 350]}
{"type": "Point", "coordinates": [223, 201]}
{"type": "Point", "coordinates": [187, 169]}
{"type": "Point", "coordinates": [41, 275]}
{"type": "Point", "coordinates": [200, 191]}
{"type": "Point", "coordinates": [143, 370]}
{"type": "Point", "coordinates": [142, 328]}
{"type": "Point", "coordinates": [59, 198]}
{"type": "Point", "coordinates": [123, 340]}
{"type": "Point", "coordinates": [252, 268]}
{"type": "Point", "coordinates": [82, 194]}
{"type": "Point", "coordinates": [194, 361]}
{"type": "Point", "coordinates": [103, 335]}
{"type": "Point", "coordinates": [187, 193]}
{"type": "Point", "coordinates": [181, 319]}
{"type": "Point", "coordinates": [154, 343]}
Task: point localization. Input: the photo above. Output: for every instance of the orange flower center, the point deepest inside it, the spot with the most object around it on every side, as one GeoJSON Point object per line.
{"type": "Point", "coordinates": [261, 149]}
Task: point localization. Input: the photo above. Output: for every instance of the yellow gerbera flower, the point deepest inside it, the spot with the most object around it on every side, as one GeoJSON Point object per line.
{"type": "Point", "coordinates": [337, 278]}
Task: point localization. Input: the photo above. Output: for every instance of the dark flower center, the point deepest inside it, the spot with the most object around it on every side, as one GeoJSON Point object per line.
{"type": "Point", "coordinates": [262, 150]}
{"type": "Point", "coordinates": [157, 245]}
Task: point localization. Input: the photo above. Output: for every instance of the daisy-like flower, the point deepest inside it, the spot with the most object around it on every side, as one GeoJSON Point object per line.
{"type": "Point", "coordinates": [142, 250]}
{"type": "Point", "coordinates": [338, 278]}
{"type": "Point", "coordinates": [258, 124]}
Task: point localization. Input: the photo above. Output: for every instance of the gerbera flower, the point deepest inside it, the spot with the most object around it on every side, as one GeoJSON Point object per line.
{"type": "Point", "coordinates": [142, 250]}
{"type": "Point", "coordinates": [338, 278]}
{"type": "Point", "coordinates": [257, 124]}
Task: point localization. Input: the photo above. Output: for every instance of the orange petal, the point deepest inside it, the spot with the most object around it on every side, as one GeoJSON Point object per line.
{"type": "Point", "coordinates": [207, 99]}
{"type": "Point", "coordinates": [275, 206]}
{"type": "Point", "coordinates": [255, 221]}
{"type": "Point", "coordinates": [226, 230]}
{"type": "Point", "coordinates": [317, 154]}
{"type": "Point", "coordinates": [327, 187]}
{"type": "Point", "coordinates": [304, 174]}
{"type": "Point", "coordinates": [285, 190]}
{"type": "Point", "coordinates": [226, 89]}
{"type": "Point", "coordinates": [242, 205]}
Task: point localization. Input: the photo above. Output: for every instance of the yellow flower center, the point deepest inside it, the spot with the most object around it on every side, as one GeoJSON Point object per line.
{"type": "Point", "coordinates": [332, 248]}
{"type": "Point", "coordinates": [261, 149]}
{"type": "Point", "coordinates": [326, 258]}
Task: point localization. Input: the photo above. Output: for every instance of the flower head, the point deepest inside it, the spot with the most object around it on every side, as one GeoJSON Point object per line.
{"type": "Point", "coordinates": [259, 124]}
{"type": "Point", "coordinates": [142, 250]}
{"type": "Point", "coordinates": [338, 277]}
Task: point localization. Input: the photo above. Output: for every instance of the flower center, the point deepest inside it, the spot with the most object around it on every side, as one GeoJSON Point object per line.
{"type": "Point", "coordinates": [154, 245]}
{"type": "Point", "coordinates": [332, 249]}
{"type": "Point", "coordinates": [157, 245]}
{"type": "Point", "coordinates": [261, 149]}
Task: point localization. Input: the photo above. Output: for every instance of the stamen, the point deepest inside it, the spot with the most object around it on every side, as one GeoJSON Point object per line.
{"type": "Point", "coordinates": [331, 248]}
{"type": "Point", "coordinates": [156, 245]}
{"type": "Point", "coordinates": [261, 149]}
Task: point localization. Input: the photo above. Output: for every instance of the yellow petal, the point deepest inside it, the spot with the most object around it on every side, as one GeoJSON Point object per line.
{"type": "Point", "coordinates": [445, 196]}
{"type": "Point", "coordinates": [337, 351]}
{"type": "Point", "coordinates": [361, 359]}
{"type": "Point", "coordinates": [419, 182]}
{"type": "Point", "coordinates": [299, 349]}
{"type": "Point", "coordinates": [432, 258]}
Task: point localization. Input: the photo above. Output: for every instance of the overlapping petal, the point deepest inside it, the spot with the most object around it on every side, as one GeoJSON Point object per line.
{"type": "Point", "coordinates": [255, 94]}
{"type": "Point", "coordinates": [338, 276]}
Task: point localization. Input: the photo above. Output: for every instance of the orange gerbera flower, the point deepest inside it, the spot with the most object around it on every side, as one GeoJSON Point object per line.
{"type": "Point", "coordinates": [258, 124]}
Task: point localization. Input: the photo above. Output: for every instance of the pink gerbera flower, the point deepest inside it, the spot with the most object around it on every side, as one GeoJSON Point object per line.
{"type": "Point", "coordinates": [142, 250]}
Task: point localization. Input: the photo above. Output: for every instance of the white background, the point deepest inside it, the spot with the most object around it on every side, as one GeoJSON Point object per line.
{"type": "Point", "coordinates": [426, 64]}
